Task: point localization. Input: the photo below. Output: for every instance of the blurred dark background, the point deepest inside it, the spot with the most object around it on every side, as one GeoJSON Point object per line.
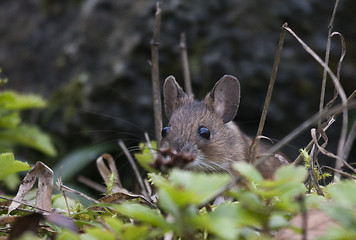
{"type": "Point", "coordinates": [90, 60]}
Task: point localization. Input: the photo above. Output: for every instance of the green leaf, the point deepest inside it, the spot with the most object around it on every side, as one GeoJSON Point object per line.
{"type": "Point", "coordinates": [67, 235]}
{"type": "Point", "coordinates": [167, 201]}
{"type": "Point", "coordinates": [343, 193]}
{"type": "Point", "coordinates": [186, 187]}
{"type": "Point", "coordinates": [249, 172]}
{"type": "Point", "coordinates": [145, 158]}
{"type": "Point", "coordinates": [98, 233]}
{"type": "Point", "coordinates": [30, 136]}
{"type": "Point", "coordinates": [291, 173]}
{"type": "Point", "coordinates": [278, 221]}
{"type": "Point", "coordinates": [75, 161]}
{"type": "Point", "coordinates": [343, 203]}
{"type": "Point", "coordinates": [201, 187]}
{"type": "Point", "coordinates": [222, 222]}
{"type": "Point", "coordinates": [287, 184]}
{"type": "Point", "coordinates": [9, 165]}
{"type": "Point", "coordinates": [9, 119]}
{"type": "Point", "coordinates": [344, 216]}
{"type": "Point", "coordinates": [142, 213]}
{"type": "Point", "coordinates": [128, 230]}
{"type": "Point", "coordinates": [13, 100]}
{"type": "Point", "coordinates": [12, 181]}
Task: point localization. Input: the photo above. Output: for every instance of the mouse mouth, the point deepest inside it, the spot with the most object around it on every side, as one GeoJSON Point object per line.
{"type": "Point", "coordinates": [168, 158]}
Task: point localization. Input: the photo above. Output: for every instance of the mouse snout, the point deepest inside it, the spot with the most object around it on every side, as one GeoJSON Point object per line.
{"type": "Point", "coordinates": [177, 155]}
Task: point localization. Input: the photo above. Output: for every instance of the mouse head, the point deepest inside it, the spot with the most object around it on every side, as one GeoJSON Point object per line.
{"type": "Point", "coordinates": [198, 131]}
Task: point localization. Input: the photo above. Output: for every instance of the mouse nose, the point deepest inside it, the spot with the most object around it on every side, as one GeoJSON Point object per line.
{"type": "Point", "coordinates": [169, 157]}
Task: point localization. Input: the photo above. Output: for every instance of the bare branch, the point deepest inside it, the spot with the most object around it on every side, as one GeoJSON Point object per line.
{"type": "Point", "coordinates": [349, 141]}
{"type": "Point", "coordinates": [329, 154]}
{"type": "Point", "coordinates": [270, 90]}
{"type": "Point", "coordinates": [156, 90]}
{"type": "Point", "coordinates": [304, 126]}
{"type": "Point", "coordinates": [185, 64]}
{"type": "Point", "coordinates": [326, 60]}
{"type": "Point", "coordinates": [327, 125]}
{"type": "Point", "coordinates": [134, 167]}
{"type": "Point", "coordinates": [338, 88]}
{"type": "Point", "coordinates": [312, 173]}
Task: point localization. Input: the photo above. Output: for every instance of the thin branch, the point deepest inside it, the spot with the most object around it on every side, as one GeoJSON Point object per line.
{"type": "Point", "coordinates": [156, 91]}
{"type": "Point", "coordinates": [342, 140]}
{"type": "Point", "coordinates": [329, 122]}
{"type": "Point", "coordinates": [326, 60]}
{"type": "Point", "coordinates": [340, 172]}
{"type": "Point", "coordinates": [185, 64]}
{"type": "Point", "coordinates": [270, 90]}
{"type": "Point", "coordinates": [304, 126]}
{"type": "Point", "coordinates": [349, 141]}
{"type": "Point", "coordinates": [63, 188]}
{"type": "Point", "coordinates": [339, 89]}
{"type": "Point", "coordinates": [329, 154]}
{"type": "Point", "coordinates": [318, 59]}
{"type": "Point", "coordinates": [92, 184]}
{"type": "Point", "coordinates": [134, 167]}
{"type": "Point", "coordinates": [314, 180]}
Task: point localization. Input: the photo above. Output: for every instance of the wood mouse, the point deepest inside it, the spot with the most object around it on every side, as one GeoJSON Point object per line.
{"type": "Point", "coordinates": [201, 135]}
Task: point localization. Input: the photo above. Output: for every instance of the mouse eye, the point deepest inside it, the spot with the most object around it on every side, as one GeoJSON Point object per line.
{"type": "Point", "coordinates": [164, 131]}
{"type": "Point", "coordinates": [204, 132]}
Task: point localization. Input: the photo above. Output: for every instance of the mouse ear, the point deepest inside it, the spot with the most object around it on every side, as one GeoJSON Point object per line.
{"type": "Point", "coordinates": [173, 95]}
{"type": "Point", "coordinates": [225, 97]}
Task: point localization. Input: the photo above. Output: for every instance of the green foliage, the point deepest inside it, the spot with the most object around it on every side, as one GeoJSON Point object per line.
{"type": "Point", "coordinates": [13, 132]}
{"type": "Point", "coordinates": [14, 101]}
{"type": "Point", "coordinates": [144, 157]}
{"type": "Point", "coordinates": [254, 210]}
{"type": "Point", "coordinates": [342, 209]}
{"type": "Point", "coordinates": [317, 173]}
{"type": "Point", "coordinates": [30, 136]}
{"type": "Point", "coordinates": [12, 165]}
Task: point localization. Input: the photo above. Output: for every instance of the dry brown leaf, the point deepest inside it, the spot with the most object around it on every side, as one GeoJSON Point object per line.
{"type": "Point", "coordinates": [44, 191]}
{"type": "Point", "coordinates": [124, 195]}
{"type": "Point", "coordinates": [105, 172]}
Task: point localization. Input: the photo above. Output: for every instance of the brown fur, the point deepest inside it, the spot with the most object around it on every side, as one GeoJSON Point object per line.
{"type": "Point", "coordinates": [184, 147]}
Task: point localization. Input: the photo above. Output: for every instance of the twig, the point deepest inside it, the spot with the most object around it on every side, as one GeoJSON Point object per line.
{"type": "Point", "coordinates": [303, 127]}
{"type": "Point", "coordinates": [340, 91]}
{"type": "Point", "coordinates": [63, 192]}
{"type": "Point", "coordinates": [327, 54]}
{"type": "Point", "coordinates": [25, 204]}
{"type": "Point", "coordinates": [340, 172]}
{"type": "Point", "coordinates": [304, 213]}
{"type": "Point", "coordinates": [318, 59]}
{"type": "Point", "coordinates": [329, 154]}
{"type": "Point", "coordinates": [90, 183]}
{"type": "Point", "coordinates": [314, 180]}
{"type": "Point", "coordinates": [62, 187]}
{"type": "Point", "coordinates": [134, 167]}
{"type": "Point", "coordinates": [269, 91]}
{"type": "Point", "coordinates": [349, 141]}
{"type": "Point", "coordinates": [330, 121]}
{"type": "Point", "coordinates": [156, 92]}
{"type": "Point", "coordinates": [342, 140]}
{"type": "Point", "coordinates": [185, 64]}
{"type": "Point", "coordinates": [148, 142]}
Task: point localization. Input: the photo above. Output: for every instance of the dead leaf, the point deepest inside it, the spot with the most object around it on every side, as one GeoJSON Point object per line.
{"type": "Point", "coordinates": [105, 172]}
{"type": "Point", "coordinates": [44, 191]}
{"type": "Point", "coordinates": [23, 224]}
{"type": "Point", "coordinates": [31, 223]}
